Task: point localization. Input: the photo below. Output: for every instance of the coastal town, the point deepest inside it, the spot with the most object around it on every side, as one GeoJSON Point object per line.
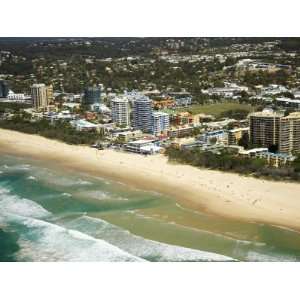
{"type": "Point", "coordinates": [149, 150]}
{"type": "Point", "coordinates": [229, 111]}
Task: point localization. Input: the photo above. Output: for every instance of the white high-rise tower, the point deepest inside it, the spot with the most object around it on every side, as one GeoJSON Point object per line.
{"type": "Point", "coordinates": [120, 111]}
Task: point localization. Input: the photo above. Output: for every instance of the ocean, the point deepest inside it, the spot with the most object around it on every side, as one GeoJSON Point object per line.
{"type": "Point", "coordinates": [49, 214]}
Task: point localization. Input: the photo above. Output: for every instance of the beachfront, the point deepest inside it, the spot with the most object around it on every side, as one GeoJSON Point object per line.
{"type": "Point", "coordinates": [226, 194]}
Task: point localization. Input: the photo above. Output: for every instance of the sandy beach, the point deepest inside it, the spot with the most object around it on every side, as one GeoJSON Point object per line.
{"type": "Point", "coordinates": [225, 194]}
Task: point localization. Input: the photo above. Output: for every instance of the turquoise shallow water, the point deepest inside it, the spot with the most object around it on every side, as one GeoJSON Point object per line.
{"type": "Point", "coordinates": [47, 214]}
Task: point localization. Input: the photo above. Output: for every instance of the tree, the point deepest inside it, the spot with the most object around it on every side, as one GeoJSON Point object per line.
{"type": "Point", "coordinates": [244, 141]}
{"type": "Point", "coordinates": [296, 164]}
{"type": "Point", "coordinates": [238, 114]}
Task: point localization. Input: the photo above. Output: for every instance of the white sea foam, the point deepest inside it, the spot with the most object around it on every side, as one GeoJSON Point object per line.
{"type": "Point", "coordinates": [13, 204]}
{"type": "Point", "coordinates": [119, 198]}
{"type": "Point", "coordinates": [66, 194]}
{"type": "Point", "coordinates": [31, 178]}
{"type": "Point", "coordinates": [49, 242]}
{"type": "Point", "coordinates": [19, 167]}
{"type": "Point", "coordinates": [196, 212]}
{"type": "Point", "coordinates": [49, 177]}
{"type": "Point", "coordinates": [83, 182]}
{"type": "Point", "coordinates": [286, 228]}
{"type": "Point", "coordinates": [99, 195]}
{"type": "Point", "coordinates": [59, 180]}
{"type": "Point", "coordinates": [255, 256]}
{"type": "Point", "coordinates": [202, 231]}
{"type": "Point", "coordinates": [13, 168]}
{"type": "Point", "coordinates": [138, 246]}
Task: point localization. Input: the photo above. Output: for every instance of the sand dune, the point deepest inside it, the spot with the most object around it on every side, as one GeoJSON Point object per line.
{"type": "Point", "coordinates": [220, 193]}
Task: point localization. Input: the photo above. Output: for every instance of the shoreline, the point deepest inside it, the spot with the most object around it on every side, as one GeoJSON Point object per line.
{"type": "Point", "coordinates": [226, 194]}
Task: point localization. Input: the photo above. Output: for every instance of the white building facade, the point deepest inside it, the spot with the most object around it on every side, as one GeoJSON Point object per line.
{"type": "Point", "coordinates": [160, 123]}
{"type": "Point", "coordinates": [120, 111]}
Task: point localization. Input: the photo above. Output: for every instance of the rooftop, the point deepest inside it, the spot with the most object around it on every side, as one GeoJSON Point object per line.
{"type": "Point", "coordinates": [84, 123]}
{"type": "Point", "coordinates": [239, 129]}
{"type": "Point", "coordinates": [140, 142]}
{"type": "Point", "coordinates": [283, 99]}
{"type": "Point", "coordinates": [159, 113]}
{"type": "Point", "coordinates": [266, 113]}
{"type": "Point", "coordinates": [294, 115]}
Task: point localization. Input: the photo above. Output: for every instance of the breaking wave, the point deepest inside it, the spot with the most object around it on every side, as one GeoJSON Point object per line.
{"type": "Point", "coordinates": [40, 240]}
{"type": "Point", "coordinates": [256, 256]}
{"type": "Point", "coordinates": [13, 204]}
{"type": "Point", "coordinates": [44, 241]}
{"type": "Point", "coordinates": [138, 246]}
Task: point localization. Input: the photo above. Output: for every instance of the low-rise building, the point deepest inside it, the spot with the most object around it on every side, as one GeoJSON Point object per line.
{"type": "Point", "coordinates": [287, 102]}
{"type": "Point", "coordinates": [214, 137]}
{"type": "Point", "coordinates": [234, 135]}
{"type": "Point", "coordinates": [203, 118]}
{"type": "Point", "coordinates": [181, 118]}
{"type": "Point", "coordinates": [126, 136]}
{"type": "Point", "coordinates": [163, 103]}
{"type": "Point", "coordinates": [228, 91]}
{"type": "Point", "coordinates": [273, 89]}
{"type": "Point", "coordinates": [143, 146]}
{"type": "Point", "coordinates": [218, 124]}
{"type": "Point", "coordinates": [100, 107]}
{"type": "Point", "coordinates": [276, 159]}
{"type": "Point", "coordinates": [64, 115]}
{"type": "Point", "coordinates": [89, 115]}
{"type": "Point", "coordinates": [71, 105]}
{"type": "Point", "coordinates": [83, 125]}
{"type": "Point", "coordinates": [18, 97]}
{"type": "Point", "coordinates": [252, 152]}
{"type": "Point", "coordinates": [179, 132]}
{"type": "Point", "coordinates": [185, 101]}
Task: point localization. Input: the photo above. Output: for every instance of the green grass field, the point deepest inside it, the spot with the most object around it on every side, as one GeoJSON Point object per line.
{"type": "Point", "coordinates": [216, 109]}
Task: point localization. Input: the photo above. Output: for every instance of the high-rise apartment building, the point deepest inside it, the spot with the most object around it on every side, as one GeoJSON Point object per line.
{"type": "Point", "coordinates": [264, 128]}
{"type": "Point", "coordinates": [39, 96]}
{"type": "Point", "coordinates": [4, 89]}
{"type": "Point", "coordinates": [120, 111]}
{"type": "Point", "coordinates": [49, 92]}
{"type": "Point", "coordinates": [289, 136]}
{"type": "Point", "coordinates": [142, 114]}
{"type": "Point", "coordinates": [92, 95]}
{"type": "Point", "coordinates": [160, 123]}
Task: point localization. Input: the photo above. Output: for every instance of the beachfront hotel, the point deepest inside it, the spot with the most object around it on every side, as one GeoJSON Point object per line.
{"type": "Point", "coordinates": [161, 123]}
{"type": "Point", "coordinates": [289, 137]}
{"type": "Point", "coordinates": [142, 114]}
{"type": "Point", "coordinates": [39, 96]}
{"type": "Point", "coordinates": [120, 111]}
{"type": "Point", "coordinates": [264, 128]}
